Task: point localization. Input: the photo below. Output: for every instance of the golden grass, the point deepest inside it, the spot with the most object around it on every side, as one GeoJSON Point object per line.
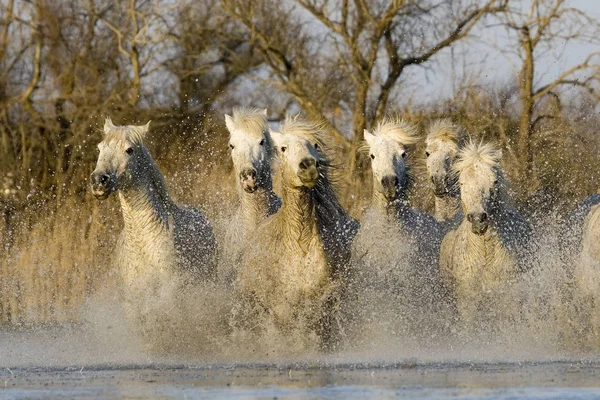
{"type": "Point", "coordinates": [47, 275]}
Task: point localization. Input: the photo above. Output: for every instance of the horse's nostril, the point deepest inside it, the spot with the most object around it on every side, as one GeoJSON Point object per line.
{"type": "Point", "coordinates": [477, 217]}
{"type": "Point", "coordinates": [389, 181]}
{"type": "Point", "coordinates": [248, 173]}
{"type": "Point", "coordinates": [307, 163]}
{"type": "Point", "coordinates": [104, 179]}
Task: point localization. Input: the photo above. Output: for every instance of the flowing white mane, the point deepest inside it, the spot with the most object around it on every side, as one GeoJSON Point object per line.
{"type": "Point", "coordinates": [128, 133]}
{"type": "Point", "coordinates": [312, 131]}
{"type": "Point", "coordinates": [251, 121]}
{"type": "Point", "coordinates": [397, 129]}
{"type": "Point", "coordinates": [446, 131]}
{"type": "Point", "coordinates": [487, 154]}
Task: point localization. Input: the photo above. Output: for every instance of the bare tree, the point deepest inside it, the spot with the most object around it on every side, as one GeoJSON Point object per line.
{"type": "Point", "coordinates": [541, 26]}
{"type": "Point", "coordinates": [371, 43]}
{"type": "Point", "coordinates": [140, 28]}
{"type": "Point", "coordinates": [209, 57]}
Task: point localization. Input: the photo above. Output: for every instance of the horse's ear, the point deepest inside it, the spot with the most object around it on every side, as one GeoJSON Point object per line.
{"type": "Point", "coordinates": [265, 112]}
{"type": "Point", "coordinates": [139, 132]}
{"type": "Point", "coordinates": [368, 136]}
{"type": "Point", "coordinates": [144, 129]}
{"type": "Point", "coordinates": [108, 125]}
{"type": "Point", "coordinates": [229, 123]}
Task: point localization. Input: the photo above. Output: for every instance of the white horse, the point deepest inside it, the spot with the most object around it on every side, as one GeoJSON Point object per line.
{"type": "Point", "coordinates": [251, 151]}
{"type": "Point", "coordinates": [388, 149]}
{"type": "Point", "coordinates": [443, 142]}
{"type": "Point", "coordinates": [162, 246]}
{"type": "Point", "coordinates": [573, 229]}
{"type": "Point", "coordinates": [396, 251]}
{"type": "Point", "coordinates": [293, 267]}
{"type": "Point", "coordinates": [580, 240]}
{"type": "Point", "coordinates": [483, 255]}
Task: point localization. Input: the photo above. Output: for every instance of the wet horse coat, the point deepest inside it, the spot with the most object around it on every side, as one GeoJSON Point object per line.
{"type": "Point", "coordinates": [292, 268]}
{"type": "Point", "coordinates": [163, 245]}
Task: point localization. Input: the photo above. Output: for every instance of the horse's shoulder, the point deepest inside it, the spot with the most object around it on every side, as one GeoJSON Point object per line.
{"type": "Point", "coordinates": [572, 228]}
{"type": "Point", "coordinates": [592, 217]}
{"type": "Point", "coordinates": [586, 205]}
{"type": "Point", "coordinates": [276, 204]}
{"type": "Point", "coordinates": [452, 223]}
{"type": "Point", "coordinates": [191, 225]}
{"type": "Point", "coordinates": [350, 228]}
{"type": "Point", "coordinates": [269, 230]}
{"type": "Point", "coordinates": [511, 223]}
{"type": "Point", "coordinates": [422, 224]}
{"type": "Point", "coordinates": [189, 213]}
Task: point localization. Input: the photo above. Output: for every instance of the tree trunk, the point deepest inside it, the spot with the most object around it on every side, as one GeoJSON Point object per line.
{"type": "Point", "coordinates": [360, 170]}
{"type": "Point", "coordinates": [526, 173]}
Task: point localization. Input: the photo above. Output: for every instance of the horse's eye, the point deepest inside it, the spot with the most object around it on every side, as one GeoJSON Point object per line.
{"type": "Point", "coordinates": [404, 155]}
{"type": "Point", "coordinates": [262, 142]}
{"type": "Point", "coordinates": [283, 149]}
{"type": "Point", "coordinates": [129, 150]}
{"type": "Point", "coordinates": [372, 156]}
{"type": "Point", "coordinates": [427, 154]}
{"type": "Point", "coordinates": [316, 146]}
{"type": "Point", "coordinates": [231, 146]}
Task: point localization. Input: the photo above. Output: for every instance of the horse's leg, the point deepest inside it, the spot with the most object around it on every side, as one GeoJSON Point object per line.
{"type": "Point", "coordinates": [330, 321]}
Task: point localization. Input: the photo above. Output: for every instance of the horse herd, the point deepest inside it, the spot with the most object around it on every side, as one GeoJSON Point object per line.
{"type": "Point", "coordinates": [299, 258]}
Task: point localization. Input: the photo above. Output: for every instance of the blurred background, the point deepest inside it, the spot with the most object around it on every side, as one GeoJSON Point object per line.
{"type": "Point", "coordinates": [523, 73]}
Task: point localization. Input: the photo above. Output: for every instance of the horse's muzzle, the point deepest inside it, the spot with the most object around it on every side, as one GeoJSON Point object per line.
{"type": "Point", "coordinates": [308, 172]}
{"type": "Point", "coordinates": [439, 188]}
{"type": "Point", "coordinates": [479, 222]}
{"type": "Point", "coordinates": [101, 185]}
{"type": "Point", "coordinates": [390, 186]}
{"type": "Point", "coordinates": [248, 180]}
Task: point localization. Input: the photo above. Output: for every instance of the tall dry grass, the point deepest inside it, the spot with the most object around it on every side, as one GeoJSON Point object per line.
{"type": "Point", "coordinates": [52, 266]}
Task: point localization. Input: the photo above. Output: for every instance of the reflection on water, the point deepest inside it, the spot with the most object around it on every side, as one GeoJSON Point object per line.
{"type": "Point", "coordinates": [443, 381]}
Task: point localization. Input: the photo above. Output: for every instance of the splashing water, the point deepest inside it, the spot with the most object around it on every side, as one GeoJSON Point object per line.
{"type": "Point", "coordinates": [389, 315]}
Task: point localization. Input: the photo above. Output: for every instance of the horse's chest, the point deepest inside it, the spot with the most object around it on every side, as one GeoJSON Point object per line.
{"type": "Point", "coordinates": [482, 260]}
{"type": "Point", "coordinates": [587, 272]}
{"type": "Point", "coordinates": [591, 236]}
{"type": "Point", "coordinates": [304, 270]}
{"type": "Point", "coordinates": [148, 258]}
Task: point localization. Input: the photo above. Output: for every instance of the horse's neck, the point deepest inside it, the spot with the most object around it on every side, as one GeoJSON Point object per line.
{"type": "Point", "coordinates": [299, 216]}
{"type": "Point", "coordinates": [487, 248]}
{"type": "Point", "coordinates": [146, 211]}
{"type": "Point", "coordinates": [394, 211]}
{"type": "Point", "coordinates": [446, 207]}
{"type": "Point", "coordinates": [257, 206]}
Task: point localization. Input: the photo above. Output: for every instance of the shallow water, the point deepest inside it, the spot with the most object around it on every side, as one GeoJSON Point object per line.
{"type": "Point", "coordinates": [559, 380]}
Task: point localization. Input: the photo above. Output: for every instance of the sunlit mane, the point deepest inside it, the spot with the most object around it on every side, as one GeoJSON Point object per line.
{"type": "Point", "coordinates": [251, 121]}
{"type": "Point", "coordinates": [446, 130]}
{"type": "Point", "coordinates": [472, 154]}
{"type": "Point", "coordinates": [309, 130]}
{"type": "Point", "coordinates": [397, 129]}
{"type": "Point", "coordinates": [133, 134]}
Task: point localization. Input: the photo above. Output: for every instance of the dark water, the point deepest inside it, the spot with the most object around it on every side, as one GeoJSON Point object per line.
{"type": "Point", "coordinates": [558, 380]}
